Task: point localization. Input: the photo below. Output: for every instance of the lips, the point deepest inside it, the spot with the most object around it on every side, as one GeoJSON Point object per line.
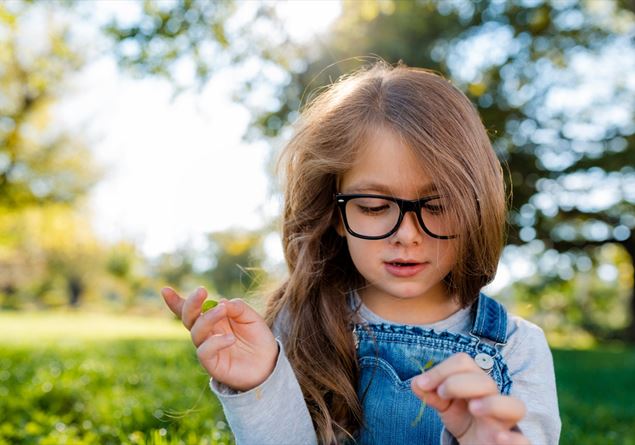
{"type": "Point", "coordinates": [404, 268]}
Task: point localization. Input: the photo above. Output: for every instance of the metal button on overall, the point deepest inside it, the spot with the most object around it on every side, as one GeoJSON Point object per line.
{"type": "Point", "coordinates": [390, 356]}
{"type": "Point", "coordinates": [484, 361]}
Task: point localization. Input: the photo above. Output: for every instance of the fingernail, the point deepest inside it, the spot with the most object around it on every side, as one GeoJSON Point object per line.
{"type": "Point", "coordinates": [476, 406]}
{"type": "Point", "coordinates": [422, 381]}
{"type": "Point", "coordinates": [214, 311]}
{"type": "Point", "coordinates": [230, 337]}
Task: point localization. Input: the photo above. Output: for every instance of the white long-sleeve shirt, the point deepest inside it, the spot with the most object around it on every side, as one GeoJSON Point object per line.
{"type": "Point", "coordinates": [275, 412]}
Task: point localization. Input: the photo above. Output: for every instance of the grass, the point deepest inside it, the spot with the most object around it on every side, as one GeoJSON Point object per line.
{"type": "Point", "coordinates": [595, 393]}
{"type": "Point", "coordinates": [78, 378]}
{"type": "Point", "coordinates": [72, 378]}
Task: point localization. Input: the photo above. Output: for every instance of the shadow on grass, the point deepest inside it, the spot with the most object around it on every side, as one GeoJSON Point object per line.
{"type": "Point", "coordinates": [595, 391]}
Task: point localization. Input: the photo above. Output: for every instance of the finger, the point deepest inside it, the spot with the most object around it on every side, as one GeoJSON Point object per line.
{"type": "Point", "coordinates": [508, 409]}
{"type": "Point", "coordinates": [207, 352]}
{"type": "Point", "coordinates": [511, 438]}
{"type": "Point", "coordinates": [204, 325]}
{"type": "Point", "coordinates": [172, 299]}
{"type": "Point", "coordinates": [240, 312]}
{"type": "Point", "coordinates": [467, 385]}
{"type": "Point", "coordinates": [432, 399]}
{"type": "Point", "coordinates": [456, 363]}
{"type": "Point", "coordinates": [192, 307]}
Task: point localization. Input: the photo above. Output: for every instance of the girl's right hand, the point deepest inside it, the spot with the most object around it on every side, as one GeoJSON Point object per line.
{"type": "Point", "coordinates": [233, 342]}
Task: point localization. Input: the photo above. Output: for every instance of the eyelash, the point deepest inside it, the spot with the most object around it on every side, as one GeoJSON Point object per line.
{"type": "Point", "coordinates": [372, 210]}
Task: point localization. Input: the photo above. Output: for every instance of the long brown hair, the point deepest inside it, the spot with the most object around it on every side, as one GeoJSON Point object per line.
{"type": "Point", "coordinates": [443, 128]}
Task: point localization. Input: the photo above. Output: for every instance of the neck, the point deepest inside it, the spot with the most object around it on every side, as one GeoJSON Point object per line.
{"type": "Point", "coordinates": [431, 307]}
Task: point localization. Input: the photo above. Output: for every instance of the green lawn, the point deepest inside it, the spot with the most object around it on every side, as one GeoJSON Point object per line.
{"type": "Point", "coordinates": [76, 378]}
{"type": "Point", "coordinates": [97, 379]}
{"type": "Point", "coordinates": [596, 392]}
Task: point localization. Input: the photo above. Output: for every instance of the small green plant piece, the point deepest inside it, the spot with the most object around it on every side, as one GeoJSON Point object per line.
{"type": "Point", "coordinates": [423, 369]}
{"type": "Point", "coordinates": [207, 305]}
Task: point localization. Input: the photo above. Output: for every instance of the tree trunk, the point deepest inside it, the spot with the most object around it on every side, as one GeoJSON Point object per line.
{"type": "Point", "coordinates": [629, 332]}
{"type": "Point", "coordinates": [75, 290]}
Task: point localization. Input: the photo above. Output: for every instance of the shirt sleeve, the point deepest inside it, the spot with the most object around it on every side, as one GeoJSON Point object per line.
{"type": "Point", "coordinates": [532, 373]}
{"type": "Point", "coordinates": [272, 413]}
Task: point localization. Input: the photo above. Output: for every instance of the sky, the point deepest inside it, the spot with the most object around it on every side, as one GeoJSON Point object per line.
{"type": "Point", "coordinates": [176, 169]}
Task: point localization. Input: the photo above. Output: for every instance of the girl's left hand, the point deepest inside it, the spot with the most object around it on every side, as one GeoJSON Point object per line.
{"type": "Point", "coordinates": [469, 403]}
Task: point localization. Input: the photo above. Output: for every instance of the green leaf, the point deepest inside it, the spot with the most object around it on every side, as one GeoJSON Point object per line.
{"type": "Point", "coordinates": [207, 305]}
{"type": "Point", "coordinates": [423, 369]}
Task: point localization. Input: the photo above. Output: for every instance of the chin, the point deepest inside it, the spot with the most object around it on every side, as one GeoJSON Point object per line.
{"type": "Point", "coordinates": [408, 293]}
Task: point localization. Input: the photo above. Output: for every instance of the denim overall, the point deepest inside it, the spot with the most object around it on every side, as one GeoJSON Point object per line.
{"type": "Point", "coordinates": [391, 355]}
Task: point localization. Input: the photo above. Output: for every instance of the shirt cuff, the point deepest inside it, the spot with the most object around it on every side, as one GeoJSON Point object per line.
{"type": "Point", "coordinates": [447, 438]}
{"type": "Point", "coordinates": [231, 395]}
{"type": "Point", "coordinates": [273, 413]}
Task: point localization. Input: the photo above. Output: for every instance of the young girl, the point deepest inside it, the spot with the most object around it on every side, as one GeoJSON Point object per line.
{"type": "Point", "coordinates": [393, 221]}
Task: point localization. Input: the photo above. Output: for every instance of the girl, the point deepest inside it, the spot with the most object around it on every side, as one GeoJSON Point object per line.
{"type": "Point", "coordinates": [393, 221]}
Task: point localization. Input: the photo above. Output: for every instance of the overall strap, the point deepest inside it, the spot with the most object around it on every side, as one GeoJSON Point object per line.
{"type": "Point", "coordinates": [489, 319]}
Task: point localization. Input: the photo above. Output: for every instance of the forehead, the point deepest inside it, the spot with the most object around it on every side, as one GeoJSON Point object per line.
{"type": "Point", "coordinates": [385, 164]}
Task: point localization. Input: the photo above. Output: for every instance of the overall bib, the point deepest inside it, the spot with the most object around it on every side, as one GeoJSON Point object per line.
{"type": "Point", "coordinates": [391, 355]}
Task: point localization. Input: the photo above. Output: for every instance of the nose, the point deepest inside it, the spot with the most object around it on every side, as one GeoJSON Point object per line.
{"type": "Point", "coordinates": [409, 231]}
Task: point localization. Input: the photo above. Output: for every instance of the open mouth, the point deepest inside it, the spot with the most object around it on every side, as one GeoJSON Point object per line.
{"type": "Point", "coordinates": [404, 269]}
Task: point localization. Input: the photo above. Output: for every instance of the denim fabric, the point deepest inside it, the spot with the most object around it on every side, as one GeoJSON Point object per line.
{"type": "Point", "coordinates": [391, 355]}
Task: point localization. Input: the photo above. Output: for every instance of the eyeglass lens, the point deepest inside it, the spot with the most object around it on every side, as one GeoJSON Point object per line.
{"type": "Point", "coordinates": [376, 217]}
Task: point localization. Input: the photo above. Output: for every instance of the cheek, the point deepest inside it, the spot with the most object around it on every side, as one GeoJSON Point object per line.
{"type": "Point", "coordinates": [362, 252]}
{"type": "Point", "coordinates": [448, 255]}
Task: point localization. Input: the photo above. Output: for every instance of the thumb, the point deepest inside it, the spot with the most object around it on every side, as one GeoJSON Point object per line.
{"type": "Point", "coordinates": [240, 312]}
{"type": "Point", "coordinates": [173, 301]}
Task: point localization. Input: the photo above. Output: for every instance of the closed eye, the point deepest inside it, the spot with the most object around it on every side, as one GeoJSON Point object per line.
{"type": "Point", "coordinates": [373, 210]}
{"type": "Point", "coordinates": [434, 209]}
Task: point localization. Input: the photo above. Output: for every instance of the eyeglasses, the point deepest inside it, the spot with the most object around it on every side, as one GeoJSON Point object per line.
{"type": "Point", "coordinates": [376, 217]}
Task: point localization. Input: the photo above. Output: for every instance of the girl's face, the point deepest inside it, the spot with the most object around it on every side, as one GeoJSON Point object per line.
{"type": "Point", "coordinates": [386, 167]}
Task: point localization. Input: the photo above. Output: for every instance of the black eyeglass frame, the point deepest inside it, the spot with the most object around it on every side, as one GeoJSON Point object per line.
{"type": "Point", "coordinates": [404, 205]}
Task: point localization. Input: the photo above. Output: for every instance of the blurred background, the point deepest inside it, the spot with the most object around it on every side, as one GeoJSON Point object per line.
{"type": "Point", "coordinates": [137, 149]}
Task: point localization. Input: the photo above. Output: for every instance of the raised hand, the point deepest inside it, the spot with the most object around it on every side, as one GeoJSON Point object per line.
{"type": "Point", "coordinates": [469, 403]}
{"type": "Point", "coordinates": [233, 342]}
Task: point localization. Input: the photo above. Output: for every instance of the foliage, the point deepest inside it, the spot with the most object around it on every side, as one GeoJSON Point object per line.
{"type": "Point", "coordinates": [40, 163]}
{"type": "Point", "coordinates": [563, 129]}
{"type": "Point", "coordinates": [541, 73]}
{"type": "Point", "coordinates": [176, 269]}
{"type": "Point", "coordinates": [49, 254]}
{"type": "Point", "coordinates": [238, 256]}
{"type": "Point", "coordinates": [187, 41]}
{"type": "Point", "coordinates": [574, 296]}
{"type": "Point", "coordinates": [47, 248]}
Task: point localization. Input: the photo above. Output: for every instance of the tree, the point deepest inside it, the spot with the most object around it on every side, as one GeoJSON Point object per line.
{"type": "Point", "coordinates": [558, 155]}
{"type": "Point", "coordinates": [187, 42]}
{"type": "Point", "coordinates": [537, 57]}
{"type": "Point", "coordinates": [237, 262]}
{"type": "Point", "coordinates": [44, 170]}
{"type": "Point", "coordinates": [39, 163]}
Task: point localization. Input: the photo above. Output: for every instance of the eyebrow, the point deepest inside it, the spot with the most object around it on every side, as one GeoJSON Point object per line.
{"type": "Point", "coordinates": [367, 187]}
